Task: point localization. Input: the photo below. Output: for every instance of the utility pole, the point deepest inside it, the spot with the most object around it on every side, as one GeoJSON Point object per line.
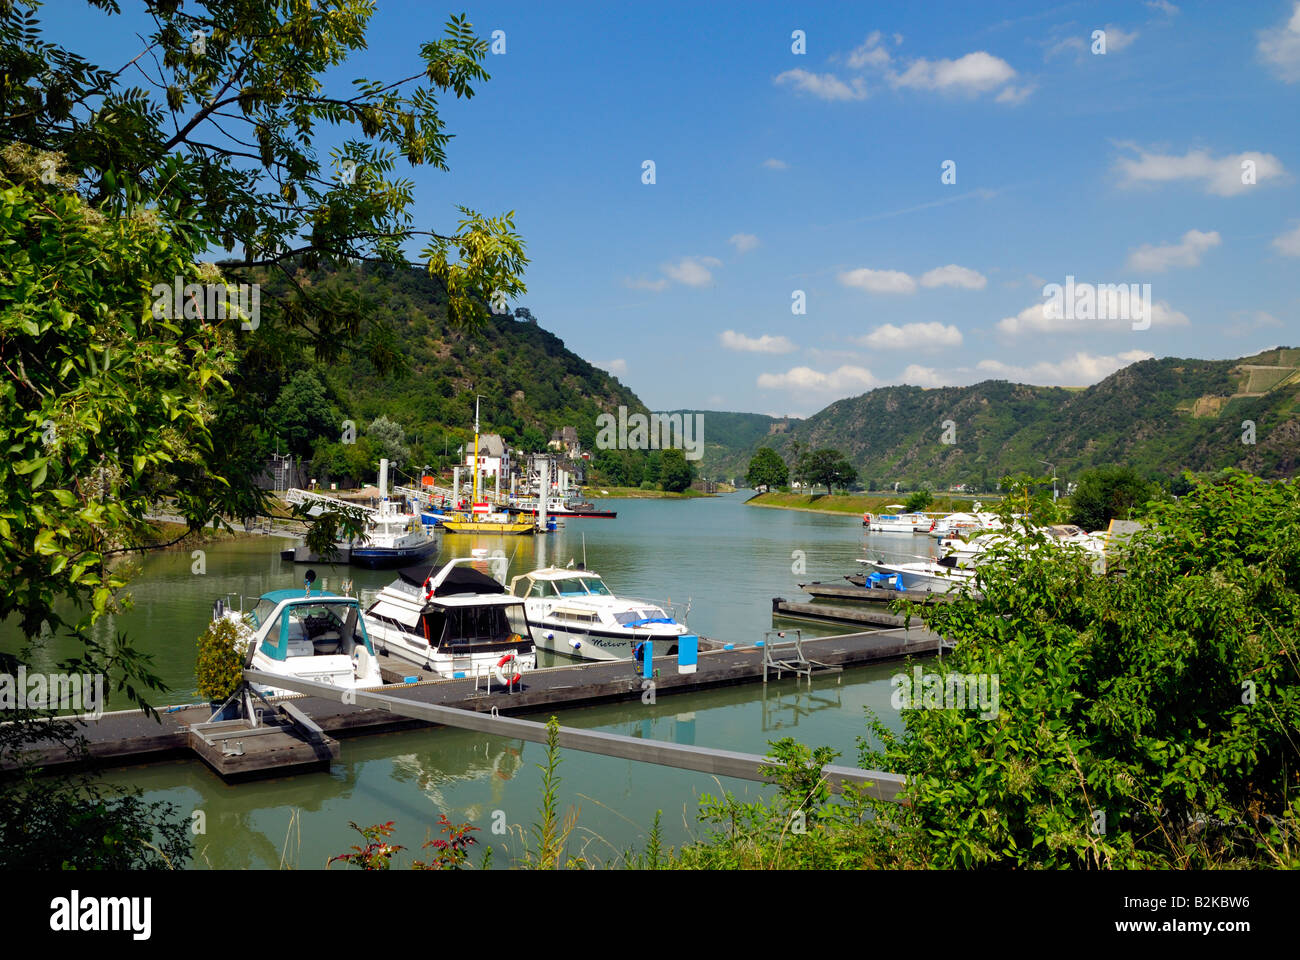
{"type": "Point", "coordinates": [1053, 469]}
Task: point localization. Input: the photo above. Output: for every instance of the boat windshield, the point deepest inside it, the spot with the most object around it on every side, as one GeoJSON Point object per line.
{"type": "Point", "coordinates": [262, 611]}
{"type": "Point", "coordinates": [476, 626]}
{"type": "Point", "coordinates": [581, 587]}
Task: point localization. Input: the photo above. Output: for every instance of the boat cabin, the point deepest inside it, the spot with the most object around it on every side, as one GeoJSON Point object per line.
{"type": "Point", "coordinates": [292, 623]}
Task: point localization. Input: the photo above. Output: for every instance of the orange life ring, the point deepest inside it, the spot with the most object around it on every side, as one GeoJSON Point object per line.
{"type": "Point", "coordinates": [500, 674]}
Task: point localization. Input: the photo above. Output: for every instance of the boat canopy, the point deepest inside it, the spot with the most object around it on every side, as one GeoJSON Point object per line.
{"type": "Point", "coordinates": [322, 623]}
{"type": "Point", "coordinates": [459, 579]}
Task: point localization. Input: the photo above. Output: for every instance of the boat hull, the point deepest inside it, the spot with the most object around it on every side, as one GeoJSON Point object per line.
{"type": "Point", "coordinates": [381, 558]}
{"type": "Point", "coordinates": [597, 644]}
{"type": "Point", "coordinates": [492, 527]}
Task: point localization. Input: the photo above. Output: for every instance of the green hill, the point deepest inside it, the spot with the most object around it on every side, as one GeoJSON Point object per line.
{"type": "Point", "coordinates": [730, 439]}
{"type": "Point", "coordinates": [530, 382]}
{"type": "Point", "coordinates": [1158, 416]}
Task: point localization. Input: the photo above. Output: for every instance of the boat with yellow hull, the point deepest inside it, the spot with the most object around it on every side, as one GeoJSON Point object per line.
{"type": "Point", "coordinates": [490, 526]}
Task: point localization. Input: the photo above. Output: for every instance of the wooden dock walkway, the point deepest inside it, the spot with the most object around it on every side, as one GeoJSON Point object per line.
{"type": "Point", "coordinates": [132, 737]}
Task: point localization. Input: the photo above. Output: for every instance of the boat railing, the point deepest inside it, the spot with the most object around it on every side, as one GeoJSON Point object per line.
{"type": "Point", "coordinates": [679, 612]}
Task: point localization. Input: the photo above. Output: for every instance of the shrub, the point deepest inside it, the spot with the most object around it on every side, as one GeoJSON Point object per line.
{"type": "Point", "coordinates": [220, 666]}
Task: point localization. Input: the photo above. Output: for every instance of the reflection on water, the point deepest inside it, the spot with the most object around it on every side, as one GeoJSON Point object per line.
{"type": "Point", "coordinates": [728, 559]}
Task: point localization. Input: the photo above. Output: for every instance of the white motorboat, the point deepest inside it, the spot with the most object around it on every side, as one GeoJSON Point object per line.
{"type": "Point", "coordinates": [932, 576]}
{"type": "Point", "coordinates": [573, 612]}
{"type": "Point", "coordinates": [896, 522]}
{"type": "Point", "coordinates": [454, 621]}
{"type": "Point", "coordinates": [308, 635]}
{"type": "Point", "coordinates": [964, 524]}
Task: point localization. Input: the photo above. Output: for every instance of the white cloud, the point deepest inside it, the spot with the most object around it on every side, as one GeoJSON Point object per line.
{"type": "Point", "coordinates": [1042, 318]}
{"type": "Point", "coordinates": [871, 53]}
{"type": "Point", "coordinates": [641, 283]}
{"type": "Point", "coordinates": [616, 367]}
{"type": "Point", "coordinates": [1280, 47]}
{"type": "Point", "coordinates": [912, 336]}
{"type": "Point", "coordinates": [845, 379]}
{"type": "Point", "coordinates": [1015, 95]}
{"type": "Point", "coordinates": [764, 344]}
{"type": "Point", "coordinates": [1288, 244]}
{"type": "Point", "coordinates": [1186, 253]}
{"type": "Point", "coordinates": [954, 276]}
{"type": "Point", "coordinates": [1248, 321]}
{"type": "Point", "coordinates": [1217, 175]}
{"type": "Point", "coordinates": [824, 86]}
{"type": "Point", "coordinates": [772, 163]}
{"type": "Point", "coordinates": [1164, 6]}
{"type": "Point", "coordinates": [692, 271]}
{"type": "Point", "coordinates": [1117, 39]}
{"type": "Point", "coordinates": [1061, 46]}
{"type": "Point", "coordinates": [1081, 369]}
{"type": "Point", "coordinates": [743, 242]}
{"type": "Point", "coordinates": [972, 74]}
{"type": "Point", "coordinates": [919, 376]}
{"type": "Point", "coordinates": [878, 281]}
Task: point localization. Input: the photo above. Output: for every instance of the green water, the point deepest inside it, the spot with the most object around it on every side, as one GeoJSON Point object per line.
{"type": "Point", "coordinates": [727, 559]}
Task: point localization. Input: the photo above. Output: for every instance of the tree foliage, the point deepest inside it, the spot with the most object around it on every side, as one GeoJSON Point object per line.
{"type": "Point", "coordinates": [767, 469]}
{"type": "Point", "coordinates": [1105, 494]}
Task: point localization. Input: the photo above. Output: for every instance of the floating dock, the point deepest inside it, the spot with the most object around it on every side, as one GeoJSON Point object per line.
{"type": "Point", "coordinates": [301, 733]}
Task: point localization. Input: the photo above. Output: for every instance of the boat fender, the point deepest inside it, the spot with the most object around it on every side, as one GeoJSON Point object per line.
{"type": "Point", "coordinates": [500, 674]}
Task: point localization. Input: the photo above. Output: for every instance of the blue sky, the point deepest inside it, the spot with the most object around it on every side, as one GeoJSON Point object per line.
{"type": "Point", "coordinates": [822, 172]}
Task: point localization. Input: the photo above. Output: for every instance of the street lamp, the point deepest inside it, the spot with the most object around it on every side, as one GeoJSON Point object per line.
{"type": "Point", "coordinates": [1053, 467]}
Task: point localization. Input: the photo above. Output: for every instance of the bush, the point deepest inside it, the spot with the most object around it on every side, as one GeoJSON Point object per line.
{"type": "Point", "coordinates": [220, 666]}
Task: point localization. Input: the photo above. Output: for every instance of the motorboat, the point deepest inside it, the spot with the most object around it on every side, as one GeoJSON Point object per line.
{"type": "Point", "coordinates": [455, 621]}
{"type": "Point", "coordinates": [560, 507]}
{"type": "Point", "coordinates": [933, 576]}
{"type": "Point", "coordinates": [306, 635]}
{"type": "Point", "coordinates": [896, 522]}
{"type": "Point", "coordinates": [393, 537]}
{"type": "Point", "coordinates": [573, 612]}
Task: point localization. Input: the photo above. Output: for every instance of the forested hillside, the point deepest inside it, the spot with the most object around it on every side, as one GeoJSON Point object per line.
{"type": "Point", "coordinates": [1158, 416]}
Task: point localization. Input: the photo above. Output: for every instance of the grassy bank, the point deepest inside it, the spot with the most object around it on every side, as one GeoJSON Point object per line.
{"type": "Point", "coordinates": [594, 492]}
{"type": "Point", "coordinates": [856, 503]}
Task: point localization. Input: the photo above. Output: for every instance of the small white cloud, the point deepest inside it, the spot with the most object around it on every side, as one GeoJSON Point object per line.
{"type": "Point", "coordinates": [1164, 6]}
{"type": "Point", "coordinates": [692, 271]}
{"type": "Point", "coordinates": [871, 54]}
{"type": "Point", "coordinates": [1218, 175]}
{"type": "Point", "coordinates": [764, 344]}
{"type": "Point", "coordinates": [1288, 244]}
{"type": "Point", "coordinates": [912, 336]}
{"type": "Point", "coordinates": [1062, 46]}
{"type": "Point", "coordinates": [845, 379]}
{"type": "Point", "coordinates": [1186, 253]}
{"type": "Point", "coordinates": [974, 73]}
{"type": "Point", "coordinates": [1248, 321]}
{"type": "Point", "coordinates": [824, 86]}
{"type": "Point", "coordinates": [878, 281]}
{"type": "Point", "coordinates": [919, 376]}
{"type": "Point", "coordinates": [1015, 95]}
{"type": "Point", "coordinates": [641, 283]}
{"type": "Point", "coordinates": [954, 276]}
{"type": "Point", "coordinates": [743, 242]}
{"type": "Point", "coordinates": [772, 163]}
{"type": "Point", "coordinates": [1279, 47]}
{"type": "Point", "coordinates": [1117, 39]}
{"type": "Point", "coordinates": [616, 367]}
{"type": "Point", "coordinates": [1081, 369]}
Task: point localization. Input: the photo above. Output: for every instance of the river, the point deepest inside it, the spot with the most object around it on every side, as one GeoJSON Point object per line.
{"type": "Point", "coordinates": [727, 559]}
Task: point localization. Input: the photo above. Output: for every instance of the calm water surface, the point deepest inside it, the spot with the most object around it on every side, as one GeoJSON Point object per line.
{"type": "Point", "coordinates": [727, 559]}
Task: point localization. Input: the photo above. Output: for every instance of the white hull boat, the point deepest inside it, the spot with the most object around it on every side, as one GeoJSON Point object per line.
{"type": "Point", "coordinates": [307, 635]}
{"type": "Point", "coordinates": [574, 613]}
{"type": "Point", "coordinates": [455, 621]}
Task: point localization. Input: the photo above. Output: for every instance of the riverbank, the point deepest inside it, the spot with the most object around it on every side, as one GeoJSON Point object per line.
{"type": "Point", "coordinates": [636, 493]}
{"type": "Point", "coordinates": [855, 503]}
